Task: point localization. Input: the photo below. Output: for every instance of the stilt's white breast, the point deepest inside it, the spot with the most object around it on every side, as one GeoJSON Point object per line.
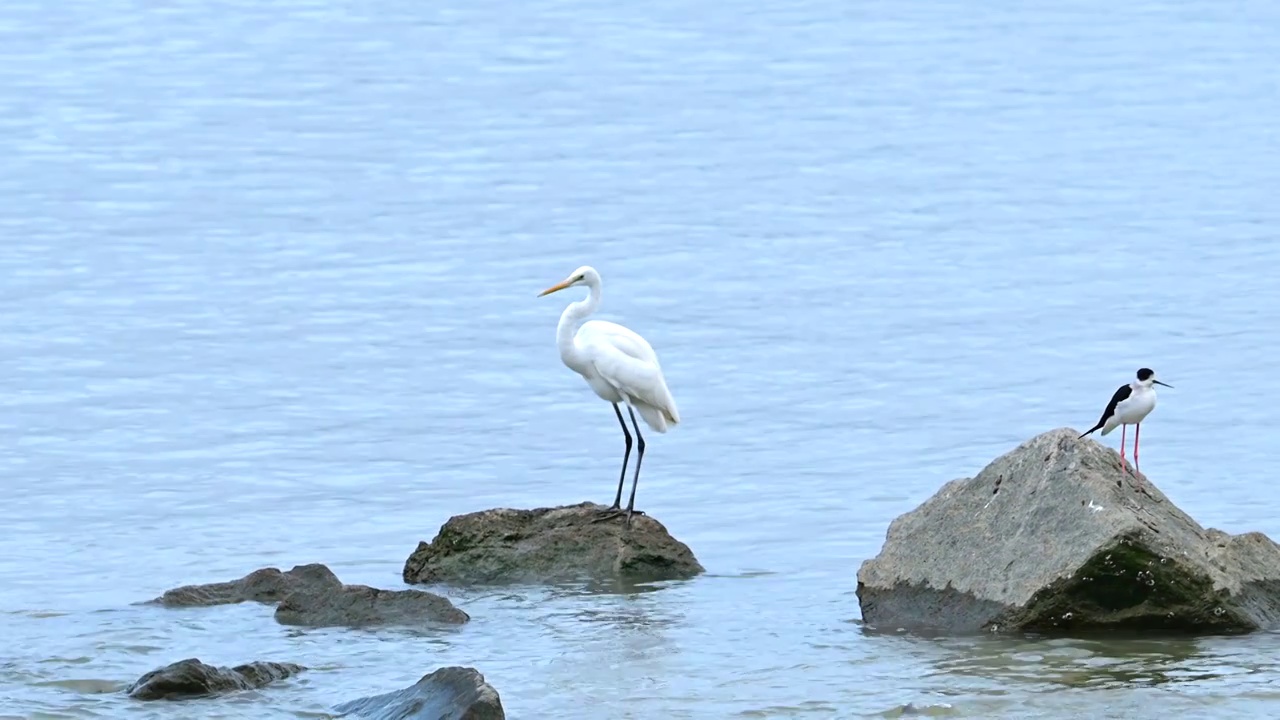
{"type": "Point", "coordinates": [1135, 408]}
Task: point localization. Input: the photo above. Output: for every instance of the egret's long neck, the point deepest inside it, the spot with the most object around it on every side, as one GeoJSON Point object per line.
{"type": "Point", "coordinates": [571, 319]}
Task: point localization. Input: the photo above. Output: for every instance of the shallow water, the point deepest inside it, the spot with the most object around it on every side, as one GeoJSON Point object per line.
{"type": "Point", "coordinates": [268, 298]}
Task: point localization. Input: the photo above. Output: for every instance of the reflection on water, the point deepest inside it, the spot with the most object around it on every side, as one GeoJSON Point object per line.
{"type": "Point", "coordinates": [1076, 663]}
{"type": "Point", "coordinates": [1044, 676]}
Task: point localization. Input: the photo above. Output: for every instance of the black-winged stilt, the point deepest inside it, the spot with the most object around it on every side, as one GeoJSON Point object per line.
{"type": "Point", "coordinates": [1129, 406]}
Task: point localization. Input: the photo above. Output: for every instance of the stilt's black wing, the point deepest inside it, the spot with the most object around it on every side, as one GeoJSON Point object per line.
{"type": "Point", "coordinates": [1121, 395]}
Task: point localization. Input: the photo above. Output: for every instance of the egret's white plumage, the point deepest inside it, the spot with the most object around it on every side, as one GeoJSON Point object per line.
{"type": "Point", "coordinates": [618, 364]}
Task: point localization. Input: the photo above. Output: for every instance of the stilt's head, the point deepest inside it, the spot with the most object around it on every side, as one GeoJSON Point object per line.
{"type": "Point", "coordinates": [585, 275]}
{"type": "Point", "coordinates": [1147, 378]}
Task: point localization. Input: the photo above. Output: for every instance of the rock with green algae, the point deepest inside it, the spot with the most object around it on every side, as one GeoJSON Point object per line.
{"type": "Point", "coordinates": [1053, 537]}
{"type": "Point", "coordinates": [569, 543]}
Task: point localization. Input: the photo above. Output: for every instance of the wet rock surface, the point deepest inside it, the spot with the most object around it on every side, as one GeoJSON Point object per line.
{"type": "Point", "coordinates": [1053, 537]}
{"type": "Point", "coordinates": [450, 693]}
{"type": "Point", "coordinates": [363, 606]}
{"type": "Point", "coordinates": [311, 595]}
{"type": "Point", "coordinates": [267, 585]}
{"type": "Point", "coordinates": [191, 678]}
{"type": "Point", "coordinates": [549, 545]}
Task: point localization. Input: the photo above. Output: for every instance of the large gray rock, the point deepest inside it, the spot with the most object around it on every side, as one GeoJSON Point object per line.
{"type": "Point", "coordinates": [191, 678]}
{"type": "Point", "coordinates": [450, 693]}
{"type": "Point", "coordinates": [363, 606]}
{"type": "Point", "coordinates": [1053, 537]}
{"type": "Point", "coordinates": [267, 585]}
{"type": "Point", "coordinates": [549, 545]}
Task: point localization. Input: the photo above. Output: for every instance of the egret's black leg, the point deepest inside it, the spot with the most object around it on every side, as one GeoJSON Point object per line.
{"type": "Point", "coordinates": [631, 504]}
{"type": "Point", "coordinates": [626, 455]}
{"type": "Point", "coordinates": [616, 510]}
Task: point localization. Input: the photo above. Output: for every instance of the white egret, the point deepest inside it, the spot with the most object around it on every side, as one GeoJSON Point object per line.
{"type": "Point", "coordinates": [1130, 405]}
{"type": "Point", "coordinates": [620, 366]}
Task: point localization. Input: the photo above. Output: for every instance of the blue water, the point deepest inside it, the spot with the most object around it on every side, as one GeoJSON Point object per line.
{"type": "Point", "coordinates": [267, 297]}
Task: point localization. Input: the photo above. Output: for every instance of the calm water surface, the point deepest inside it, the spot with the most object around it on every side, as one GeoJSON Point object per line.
{"type": "Point", "coordinates": [267, 279]}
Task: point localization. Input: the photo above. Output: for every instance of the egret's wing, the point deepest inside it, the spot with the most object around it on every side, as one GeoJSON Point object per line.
{"type": "Point", "coordinates": [628, 363]}
{"type": "Point", "coordinates": [620, 338]}
{"type": "Point", "coordinates": [638, 379]}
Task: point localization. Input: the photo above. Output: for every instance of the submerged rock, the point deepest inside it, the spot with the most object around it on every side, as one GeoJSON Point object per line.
{"type": "Point", "coordinates": [313, 596]}
{"type": "Point", "coordinates": [450, 693]}
{"type": "Point", "coordinates": [549, 545]}
{"type": "Point", "coordinates": [1053, 537]}
{"type": "Point", "coordinates": [361, 605]}
{"type": "Point", "coordinates": [191, 678]}
{"type": "Point", "coordinates": [267, 585]}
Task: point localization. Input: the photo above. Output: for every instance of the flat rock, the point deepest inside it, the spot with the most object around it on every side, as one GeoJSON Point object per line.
{"type": "Point", "coordinates": [191, 678]}
{"type": "Point", "coordinates": [450, 693]}
{"type": "Point", "coordinates": [549, 545]}
{"type": "Point", "coordinates": [1053, 537]}
{"type": "Point", "coordinates": [267, 585]}
{"type": "Point", "coordinates": [311, 595]}
{"type": "Point", "coordinates": [361, 606]}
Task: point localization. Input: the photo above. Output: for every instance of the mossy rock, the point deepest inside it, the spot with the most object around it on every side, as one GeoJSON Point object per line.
{"type": "Point", "coordinates": [1053, 537]}
{"type": "Point", "coordinates": [550, 545]}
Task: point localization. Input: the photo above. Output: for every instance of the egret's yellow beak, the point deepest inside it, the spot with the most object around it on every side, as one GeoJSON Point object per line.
{"type": "Point", "coordinates": [555, 288]}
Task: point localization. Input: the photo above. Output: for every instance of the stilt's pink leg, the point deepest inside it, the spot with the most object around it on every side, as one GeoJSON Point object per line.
{"type": "Point", "coordinates": [1136, 430]}
{"type": "Point", "coordinates": [1123, 429]}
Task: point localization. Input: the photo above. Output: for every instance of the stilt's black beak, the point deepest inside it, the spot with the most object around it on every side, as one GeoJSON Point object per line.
{"type": "Point", "coordinates": [1157, 382]}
